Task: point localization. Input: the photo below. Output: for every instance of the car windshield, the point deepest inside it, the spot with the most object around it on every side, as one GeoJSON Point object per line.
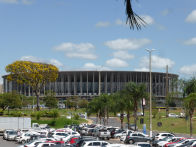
{"type": "Point", "coordinates": [12, 133]}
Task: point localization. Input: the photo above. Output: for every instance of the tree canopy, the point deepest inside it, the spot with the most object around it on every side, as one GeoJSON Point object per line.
{"type": "Point", "coordinates": [34, 74]}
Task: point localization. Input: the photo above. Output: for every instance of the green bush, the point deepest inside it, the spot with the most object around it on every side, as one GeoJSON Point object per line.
{"type": "Point", "coordinates": [76, 117]}
{"type": "Point", "coordinates": [38, 115]}
{"type": "Point", "coordinates": [52, 123]}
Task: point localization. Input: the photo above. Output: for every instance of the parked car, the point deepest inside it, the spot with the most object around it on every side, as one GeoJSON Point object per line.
{"type": "Point", "coordinates": [45, 144]}
{"type": "Point", "coordinates": [160, 136]}
{"type": "Point", "coordinates": [173, 115]}
{"type": "Point", "coordinates": [12, 135]}
{"type": "Point", "coordinates": [5, 133]}
{"type": "Point", "coordinates": [95, 143]}
{"type": "Point", "coordinates": [142, 144]}
{"type": "Point", "coordinates": [168, 140]}
{"type": "Point", "coordinates": [171, 143]}
{"type": "Point", "coordinates": [118, 135]}
{"type": "Point", "coordinates": [188, 144]}
{"type": "Point", "coordinates": [137, 137]}
{"type": "Point", "coordinates": [104, 134]}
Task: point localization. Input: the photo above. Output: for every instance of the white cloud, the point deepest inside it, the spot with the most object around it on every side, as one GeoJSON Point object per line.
{"type": "Point", "coordinates": [35, 59]}
{"type": "Point", "coordinates": [55, 62]}
{"type": "Point", "coordinates": [148, 19]}
{"type": "Point", "coordinates": [115, 62]}
{"type": "Point", "coordinates": [141, 69]}
{"type": "Point", "coordinates": [123, 44]}
{"type": "Point", "coordinates": [102, 24]}
{"type": "Point", "coordinates": [25, 2]}
{"type": "Point", "coordinates": [157, 62]}
{"type": "Point", "coordinates": [191, 17]}
{"type": "Point", "coordinates": [82, 50]}
{"type": "Point", "coordinates": [123, 55]}
{"type": "Point", "coordinates": [68, 46]}
{"type": "Point", "coordinates": [81, 55]}
{"type": "Point", "coordinates": [188, 70]}
{"type": "Point", "coordinates": [191, 41]}
{"type": "Point", "coordinates": [92, 66]}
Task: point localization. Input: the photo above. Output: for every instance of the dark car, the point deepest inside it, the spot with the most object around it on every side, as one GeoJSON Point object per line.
{"type": "Point", "coordinates": [80, 141]}
{"type": "Point", "coordinates": [137, 137]}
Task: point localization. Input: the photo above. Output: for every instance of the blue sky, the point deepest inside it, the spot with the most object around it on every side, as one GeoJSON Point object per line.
{"type": "Point", "coordinates": [93, 35]}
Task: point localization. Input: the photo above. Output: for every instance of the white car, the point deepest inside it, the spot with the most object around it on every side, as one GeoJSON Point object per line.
{"type": "Point", "coordinates": [33, 143]}
{"type": "Point", "coordinates": [5, 133]}
{"type": "Point", "coordinates": [164, 142]}
{"type": "Point", "coordinates": [95, 143]}
{"type": "Point", "coordinates": [59, 135]}
{"type": "Point", "coordinates": [173, 115]}
{"type": "Point", "coordinates": [11, 135]}
{"type": "Point", "coordinates": [163, 135]}
{"type": "Point", "coordinates": [45, 144]}
{"type": "Point", "coordinates": [121, 145]}
{"type": "Point", "coordinates": [25, 137]}
{"type": "Point", "coordinates": [180, 143]}
{"type": "Point", "coordinates": [118, 135]}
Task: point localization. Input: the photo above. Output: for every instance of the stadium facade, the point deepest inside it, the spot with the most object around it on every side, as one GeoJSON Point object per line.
{"type": "Point", "coordinates": [88, 84]}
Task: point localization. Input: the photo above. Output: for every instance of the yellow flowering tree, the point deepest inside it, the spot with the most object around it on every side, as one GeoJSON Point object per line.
{"type": "Point", "coordinates": [34, 74]}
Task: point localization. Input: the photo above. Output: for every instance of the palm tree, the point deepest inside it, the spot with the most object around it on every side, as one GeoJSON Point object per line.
{"type": "Point", "coordinates": [190, 105]}
{"type": "Point", "coordinates": [127, 98]}
{"type": "Point", "coordinates": [120, 106]}
{"type": "Point", "coordinates": [137, 92]}
{"type": "Point", "coordinates": [133, 19]}
{"type": "Point", "coordinates": [190, 86]}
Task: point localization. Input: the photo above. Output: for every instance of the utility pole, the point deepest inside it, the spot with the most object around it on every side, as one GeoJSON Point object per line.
{"type": "Point", "coordinates": [150, 69]}
{"type": "Point", "coordinates": [166, 92]}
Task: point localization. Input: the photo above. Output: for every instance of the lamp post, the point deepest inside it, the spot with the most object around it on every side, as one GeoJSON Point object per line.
{"type": "Point", "coordinates": [150, 68]}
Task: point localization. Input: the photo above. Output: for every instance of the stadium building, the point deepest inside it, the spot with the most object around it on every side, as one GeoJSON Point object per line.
{"type": "Point", "coordinates": [89, 84]}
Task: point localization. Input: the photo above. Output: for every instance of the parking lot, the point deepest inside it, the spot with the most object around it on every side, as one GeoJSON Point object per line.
{"type": "Point", "coordinates": [4, 143]}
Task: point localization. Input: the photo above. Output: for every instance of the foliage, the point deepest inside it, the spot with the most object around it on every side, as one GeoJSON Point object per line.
{"type": "Point", "coordinates": [50, 100]}
{"type": "Point", "coordinates": [38, 115]}
{"type": "Point", "coordinates": [190, 86]}
{"type": "Point", "coordinates": [72, 102]}
{"type": "Point", "coordinates": [36, 75]}
{"type": "Point", "coordinates": [132, 18]}
{"type": "Point", "coordinates": [136, 92]}
{"type": "Point", "coordinates": [76, 117]}
{"type": "Point", "coordinates": [10, 100]}
{"type": "Point", "coordinates": [83, 103]}
{"type": "Point", "coordinates": [190, 105]}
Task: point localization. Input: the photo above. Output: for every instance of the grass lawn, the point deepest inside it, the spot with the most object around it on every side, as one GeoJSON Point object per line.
{"type": "Point", "coordinates": [174, 125]}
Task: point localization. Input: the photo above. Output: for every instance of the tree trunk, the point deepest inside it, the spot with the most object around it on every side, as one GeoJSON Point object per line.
{"type": "Point", "coordinates": [121, 120]}
{"type": "Point", "coordinates": [191, 126]}
{"type": "Point", "coordinates": [128, 119]}
{"type": "Point", "coordinates": [107, 116]}
{"type": "Point", "coordinates": [167, 111]}
{"type": "Point", "coordinates": [97, 115]}
{"type": "Point", "coordinates": [37, 95]}
{"type": "Point", "coordinates": [135, 115]}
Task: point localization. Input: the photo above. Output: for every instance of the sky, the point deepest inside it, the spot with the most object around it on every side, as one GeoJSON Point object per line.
{"type": "Point", "coordinates": [93, 35]}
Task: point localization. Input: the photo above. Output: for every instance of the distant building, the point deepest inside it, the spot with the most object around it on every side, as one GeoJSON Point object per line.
{"type": "Point", "coordinates": [89, 84]}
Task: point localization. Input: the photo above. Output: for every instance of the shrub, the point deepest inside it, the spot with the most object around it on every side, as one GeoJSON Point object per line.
{"type": "Point", "coordinates": [76, 117]}
{"type": "Point", "coordinates": [38, 116]}
{"type": "Point", "coordinates": [52, 123]}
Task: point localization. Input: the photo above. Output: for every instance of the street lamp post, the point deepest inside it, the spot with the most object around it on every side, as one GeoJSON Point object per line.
{"type": "Point", "coordinates": [150, 68]}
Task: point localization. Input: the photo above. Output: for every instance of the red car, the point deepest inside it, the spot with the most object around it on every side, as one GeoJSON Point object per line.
{"type": "Point", "coordinates": [73, 140]}
{"type": "Point", "coordinates": [176, 141]}
{"type": "Point", "coordinates": [56, 142]}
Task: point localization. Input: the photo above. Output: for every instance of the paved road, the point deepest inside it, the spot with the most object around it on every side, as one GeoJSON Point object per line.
{"type": "Point", "coordinates": [4, 143]}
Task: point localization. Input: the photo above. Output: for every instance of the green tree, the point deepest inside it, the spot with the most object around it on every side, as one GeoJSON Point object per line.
{"type": "Point", "coordinates": [128, 100]}
{"type": "Point", "coordinates": [10, 100]}
{"type": "Point", "coordinates": [137, 92]}
{"type": "Point", "coordinates": [190, 86]}
{"type": "Point", "coordinates": [50, 100]}
{"type": "Point", "coordinates": [83, 103]}
{"type": "Point", "coordinates": [36, 75]}
{"type": "Point", "coordinates": [190, 105]}
{"type": "Point", "coordinates": [120, 105]}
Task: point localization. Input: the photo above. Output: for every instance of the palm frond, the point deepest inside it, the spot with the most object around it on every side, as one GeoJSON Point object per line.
{"type": "Point", "coordinates": [133, 19]}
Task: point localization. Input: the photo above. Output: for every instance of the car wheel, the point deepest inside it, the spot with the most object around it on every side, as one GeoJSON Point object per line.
{"type": "Point", "coordinates": [108, 138]}
{"type": "Point", "coordinates": [23, 141]}
{"type": "Point", "coordinates": [131, 141]}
